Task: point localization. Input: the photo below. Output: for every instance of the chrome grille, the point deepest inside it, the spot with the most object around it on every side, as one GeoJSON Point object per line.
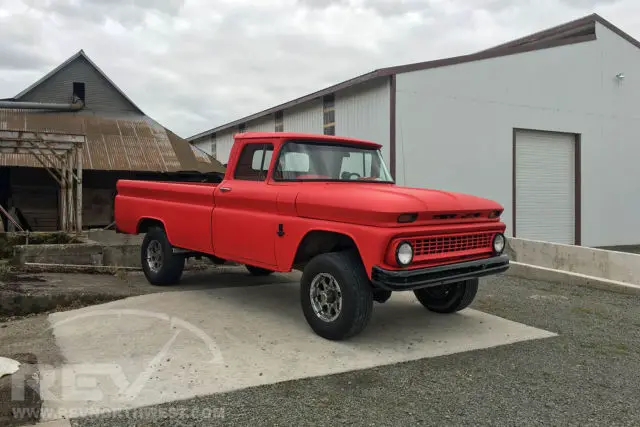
{"type": "Point", "coordinates": [451, 244]}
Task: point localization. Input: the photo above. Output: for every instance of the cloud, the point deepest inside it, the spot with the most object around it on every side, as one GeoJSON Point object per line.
{"type": "Point", "coordinates": [196, 64]}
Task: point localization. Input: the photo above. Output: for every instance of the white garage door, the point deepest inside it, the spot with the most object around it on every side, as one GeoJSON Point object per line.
{"type": "Point", "coordinates": [545, 186]}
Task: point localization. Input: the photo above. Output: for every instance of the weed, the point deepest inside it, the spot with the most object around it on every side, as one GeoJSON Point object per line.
{"type": "Point", "coordinates": [121, 274]}
{"type": "Point", "coordinates": [6, 271]}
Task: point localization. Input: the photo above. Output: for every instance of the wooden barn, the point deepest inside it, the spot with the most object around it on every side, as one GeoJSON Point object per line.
{"type": "Point", "coordinates": [67, 139]}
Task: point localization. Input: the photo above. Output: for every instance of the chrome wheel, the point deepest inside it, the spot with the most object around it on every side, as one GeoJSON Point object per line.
{"type": "Point", "coordinates": [154, 256]}
{"type": "Point", "coordinates": [326, 297]}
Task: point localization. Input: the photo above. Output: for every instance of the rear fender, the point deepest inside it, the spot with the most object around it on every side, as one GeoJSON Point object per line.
{"type": "Point", "coordinates": [147, 222]}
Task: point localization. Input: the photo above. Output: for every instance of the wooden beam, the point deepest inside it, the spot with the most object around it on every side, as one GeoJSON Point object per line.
{"type": "Point", "coordinates": [79, 189]}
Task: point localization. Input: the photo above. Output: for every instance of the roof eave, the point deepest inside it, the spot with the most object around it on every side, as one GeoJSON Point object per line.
{"type": "Point", "coordinates": [480, 56]}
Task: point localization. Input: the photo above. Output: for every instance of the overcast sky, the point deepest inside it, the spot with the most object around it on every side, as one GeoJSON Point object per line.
{"type": "Point", "coordinates": [196, 64]}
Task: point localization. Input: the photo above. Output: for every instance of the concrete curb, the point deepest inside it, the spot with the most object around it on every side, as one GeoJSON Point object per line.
{"type": "Point", "coordinates": [33, 267]}
{"type": "Point", "coordinates": [533, 272]}
{"type": "Point", "coordinates": [45, 267]}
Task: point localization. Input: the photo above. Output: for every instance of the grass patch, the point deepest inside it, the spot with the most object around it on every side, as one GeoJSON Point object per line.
{"type": "Point", "coordinates": [6, 271]}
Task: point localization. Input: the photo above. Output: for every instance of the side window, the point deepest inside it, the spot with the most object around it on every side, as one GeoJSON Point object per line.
{"type": "Point", "coordinates": [253, 162]}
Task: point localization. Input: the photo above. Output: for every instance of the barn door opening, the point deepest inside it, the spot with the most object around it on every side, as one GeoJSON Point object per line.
{"type": "Point", "coordinates": [546, 187]}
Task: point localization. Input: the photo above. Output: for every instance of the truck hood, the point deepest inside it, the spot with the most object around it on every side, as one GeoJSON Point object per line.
{"type": "Point", "coordinates": [381, 204]}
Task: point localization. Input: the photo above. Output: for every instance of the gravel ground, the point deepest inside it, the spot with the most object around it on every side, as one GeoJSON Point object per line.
{"type": "Point", "coordinates": [588, 375]}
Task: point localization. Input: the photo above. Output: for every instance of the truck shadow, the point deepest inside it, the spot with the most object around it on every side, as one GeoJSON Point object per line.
{"type": "Point", "coordinates": [273, 304]}
{"type": "Point", "coordinates": [221, 278]}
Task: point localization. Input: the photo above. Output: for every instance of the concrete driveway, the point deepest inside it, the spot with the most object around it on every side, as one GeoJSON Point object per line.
{"type": "Point", "coordinates": [163, 347]}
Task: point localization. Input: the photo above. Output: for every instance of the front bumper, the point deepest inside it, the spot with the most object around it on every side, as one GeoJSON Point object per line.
{"type": "Point", "coordinates": [405, 280]}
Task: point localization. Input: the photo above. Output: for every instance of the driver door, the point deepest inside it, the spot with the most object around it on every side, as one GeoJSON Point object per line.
{"type": "Point", "coordinates": [245, 216]}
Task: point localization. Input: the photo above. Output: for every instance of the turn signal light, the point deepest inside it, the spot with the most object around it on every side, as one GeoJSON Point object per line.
{"type": "Point", "coordinates": [408, 217]}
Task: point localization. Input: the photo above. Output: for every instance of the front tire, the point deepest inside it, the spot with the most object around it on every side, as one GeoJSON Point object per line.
{"type": "Point", "coordinates": [336, 295]}
{"type": "Point", "coordinates": [448, 298]}
{"type": "Point", "coordinates": [160, 265]}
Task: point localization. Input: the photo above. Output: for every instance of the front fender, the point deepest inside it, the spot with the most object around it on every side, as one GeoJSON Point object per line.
{"type": "Point", "coordinates": [369, 242]}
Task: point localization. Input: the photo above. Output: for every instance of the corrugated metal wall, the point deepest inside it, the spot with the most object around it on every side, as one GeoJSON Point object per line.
{"type": "Point", "coordinates": [99, 94]}
{"type": "Point", "coordinates": [205, 144]}
{"type": "Point", "coordinates": [224, 142]}
{"type": "Point", "coordinates": [306, 118]}
{"type": "Point", "coordinates": [363, 112]}
{"type": "Point", "coordinates": [265, 124]}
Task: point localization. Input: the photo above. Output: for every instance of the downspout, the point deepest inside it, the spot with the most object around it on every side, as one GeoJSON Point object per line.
{"type": "Point", "coordinates": [75, 106]}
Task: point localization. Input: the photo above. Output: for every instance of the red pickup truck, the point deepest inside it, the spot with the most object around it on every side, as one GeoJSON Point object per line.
{"type": "Point", "coordinates": [327, 206]}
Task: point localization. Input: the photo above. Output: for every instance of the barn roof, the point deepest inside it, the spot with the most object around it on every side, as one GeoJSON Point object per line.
{"type": "Point", "coordinates": [112, 143]}
{"type": "Point", "coordinates": [573, 32]}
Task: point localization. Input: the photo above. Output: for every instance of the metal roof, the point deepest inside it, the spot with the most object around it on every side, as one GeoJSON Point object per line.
{"type": "Point", "coordinates": [132, 143]}
{"type": "Point", "coordinates": [576, 31]}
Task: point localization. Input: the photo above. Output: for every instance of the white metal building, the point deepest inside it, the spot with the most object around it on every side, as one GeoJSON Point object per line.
{"type": "Point", "coordinates": [548, 125]}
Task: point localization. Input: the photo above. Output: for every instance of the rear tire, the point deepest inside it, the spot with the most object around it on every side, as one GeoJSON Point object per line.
{"type": "Point", "coordinates": [448, 298]}
{"type": "Point", "coordinates": [257, 271]}
{"type": "Point", "coordinates": [160, 265]}
{"type": "Point", "coordinates": [336, 295]}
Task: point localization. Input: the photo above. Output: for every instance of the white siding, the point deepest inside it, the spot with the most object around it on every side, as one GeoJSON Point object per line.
{"type": "Point", "coordinates": [224, 142]}
{"type": "Point", "coordinates": [363, 112]}
{"type": "Point", "coordinates": [204, 144]}
{"type": "Point", "coordinates": [265, 124]}
{"type": "Point", "coordinates": [306, 118]}
{"type": "Point", "coordinates": [455, 126]}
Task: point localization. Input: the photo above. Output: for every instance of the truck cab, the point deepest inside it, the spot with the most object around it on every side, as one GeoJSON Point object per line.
{"type": "Point", "coordinates": [327, 206]}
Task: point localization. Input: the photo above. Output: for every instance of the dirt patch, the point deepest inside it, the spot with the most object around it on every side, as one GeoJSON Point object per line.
{"type": "Point", "coordinates": [14, 279]}
{"type": "Point", "coordinates": [23, 295]}
{"type": "Point", "coordinates": [17, 305]}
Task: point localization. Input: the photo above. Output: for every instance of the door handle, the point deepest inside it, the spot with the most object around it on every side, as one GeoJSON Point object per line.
{"type": "Point", "coordinates": [225, 189]}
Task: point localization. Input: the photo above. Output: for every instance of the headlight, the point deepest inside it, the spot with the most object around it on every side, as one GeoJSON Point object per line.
{"type": "Point", "coordinates": [404, 253]}
{"type": "Point", "coordinates": [498, 243]}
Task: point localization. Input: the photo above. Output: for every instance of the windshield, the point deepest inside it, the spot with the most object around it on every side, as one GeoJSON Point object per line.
{"type": "Point", "coordinates": [309, 161]}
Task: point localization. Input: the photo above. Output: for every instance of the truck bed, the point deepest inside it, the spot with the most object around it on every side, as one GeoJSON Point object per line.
{"type": "Point", "coordinates": [184, 208]}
